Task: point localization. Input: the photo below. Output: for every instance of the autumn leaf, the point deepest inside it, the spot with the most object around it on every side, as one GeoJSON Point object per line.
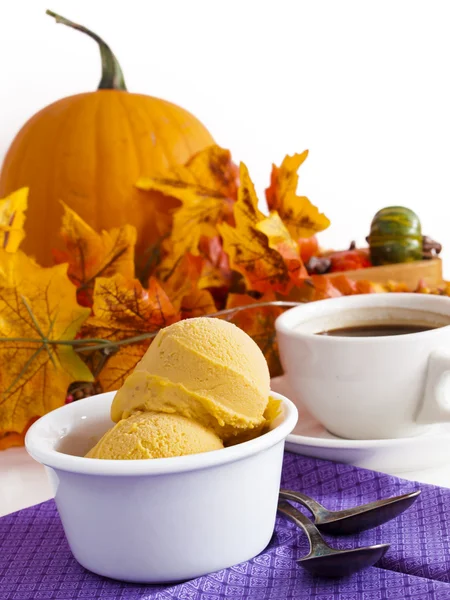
{"type": "Point", "coordinates": [124, 309]}
{"type": "Point", "coordinates": [9, 439]}
{"type": "Point", "coordinates": [182, 284]}
{"type": "Point", "coordinates": [279, 239]}
{"type": "Point", "coordinates": [321, 287]}
{"type": "Point", "coordinates": [315, 287]}
{"type": "Point", "coordinates": [259, 323]}
{"type": "Point", "coordinates": [197, 303]}
{"type": "Point", "coordinates": [208, 173]}
{"type": "Point", "coordinates": [148, 261]}
{"type": "Point", "coordinates": [207, 187]}
{"type": "Point", "coordinates": [183, 275]}
{"type": "Point", "coordinates": [344, 285]}
{"type": "Point", "coordinates": [12, 219]}
{"type": "Point", "coordinates": [38, 304]}
{"type": "Point", "coordinates": [12, 267]}
{"type": "Point", "coordinates": [284, 179]}
{"type": "Point", "coordinates": [300, 216]}
{"type": "Point", "coordinates": [260, 247]}
{"type": "Point", "coordinates": [215, 271]}
{"type": "Point", "coordinates": [350, 287]}
{"type": "Point", "coordinates": [212, 276]}
{"type": "Point", "coordinates": [179, 276]}
{"type": "Point", "coordinates": [91, 254]}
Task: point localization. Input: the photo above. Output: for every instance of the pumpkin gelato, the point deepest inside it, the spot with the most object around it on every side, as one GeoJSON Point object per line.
{"type": "Point", "coordinates": [203, 381]}
{"type": "Point", "coordinates": [154, 435]}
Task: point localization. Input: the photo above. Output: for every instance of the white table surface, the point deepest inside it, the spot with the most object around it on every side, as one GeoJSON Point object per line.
{"type": "Point", "coordinates": [23, 482]}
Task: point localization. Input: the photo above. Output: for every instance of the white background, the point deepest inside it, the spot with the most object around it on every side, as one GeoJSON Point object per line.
{"type": "Point", "coordinates": [363, 84]}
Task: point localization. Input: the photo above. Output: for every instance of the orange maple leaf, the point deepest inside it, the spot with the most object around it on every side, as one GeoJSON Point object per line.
{"type": "Point", "coordinates": [179, 276]}
{"type": "Point", "coordinates": [315, 287]}
{"type": "Point", "coordinates": [124, 309]}
{"type": "Point", "coordinates": [183, 282]}
{"type": "Point", "coordinates": [300, 216]}
{"type": "Point", "coordinates": [321, 287]}
{"type": "Point", "coordinates": [259, 323]}
{"type": "Point", "coordinates": [39, 305]}
{"type": "Point", "coordinates": [197, 303]}
{"type": "Point", "coordinates": [215, 271]}
{"type": "Point", "coordinates": [260, 247]}
{"type": "Point", "coordinates": [346, 286]}
{"type": "Point", "coordinates": [91, 254]}
{"type": "Point", "coordinates": [207, 187]}
{"type": "Point", "coordinates": [183, 275]}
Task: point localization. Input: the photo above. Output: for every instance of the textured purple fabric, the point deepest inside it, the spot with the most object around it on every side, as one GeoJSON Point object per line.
{"type": "Point", "coordinates": [36, 563]}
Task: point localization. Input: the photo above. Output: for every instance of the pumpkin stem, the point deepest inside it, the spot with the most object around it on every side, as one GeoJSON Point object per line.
{"type": "Point", "coordinates": [112, 76]}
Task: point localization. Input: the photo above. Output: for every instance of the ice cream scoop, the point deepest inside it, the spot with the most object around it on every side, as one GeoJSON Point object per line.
{"type": "Point", "coordinates": [154, 435]}
{"type": "Point", "coordinates": [204, 369]}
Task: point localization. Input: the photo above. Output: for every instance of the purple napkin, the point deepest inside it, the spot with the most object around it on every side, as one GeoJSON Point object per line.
{"type": "Point", "coordinates": [36, 563]}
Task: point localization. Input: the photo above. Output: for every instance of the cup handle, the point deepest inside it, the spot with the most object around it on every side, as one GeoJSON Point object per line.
{"type": "Point", "coordinates": [435, 407]}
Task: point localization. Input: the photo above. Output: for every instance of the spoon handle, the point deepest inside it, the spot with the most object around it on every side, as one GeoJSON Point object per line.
{"type": "Point", "coordinates": [316, 541]}
{"type": "Point", "coordinates": [312, 505]}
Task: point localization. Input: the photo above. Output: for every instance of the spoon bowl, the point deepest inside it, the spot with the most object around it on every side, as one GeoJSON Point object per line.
{"type": "Point", "coordinates": [342, 563]}
{"type": "Point", "coordinates": [324, 560]}
{"type": "Point", "coordinates": [353, 520]}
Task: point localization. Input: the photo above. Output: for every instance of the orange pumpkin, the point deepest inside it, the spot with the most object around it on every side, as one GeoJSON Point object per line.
{"type": "Point", "coordinates": [90, 149]}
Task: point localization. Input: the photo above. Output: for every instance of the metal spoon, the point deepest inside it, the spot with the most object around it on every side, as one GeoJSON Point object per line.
{"type": "Point", "coordinates": [353, 520]}
{"type": "Point", "coordinates": [326, 561]}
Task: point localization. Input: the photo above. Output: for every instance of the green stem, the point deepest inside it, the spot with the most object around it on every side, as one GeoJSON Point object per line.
{"type": "Point", "coordinates": [78, 342]}
{"type": "Point", "coordinates": [99, 343]}
{"type": "Point", "coordinates": [112, 76]}
{"type": "Point", "coordinates": [38, 329]}
{"type": "Point", "coordinates": [131, 340]}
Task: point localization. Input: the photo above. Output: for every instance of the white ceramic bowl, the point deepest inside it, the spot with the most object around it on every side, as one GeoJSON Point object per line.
{"type": "Point", "coordinates": [163, 520]}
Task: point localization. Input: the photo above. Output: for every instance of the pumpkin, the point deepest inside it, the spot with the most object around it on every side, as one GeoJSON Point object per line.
{"type": "Point", "coordinates": [395, 236]}
{"type": "Point", "coordinates": [90, 149]}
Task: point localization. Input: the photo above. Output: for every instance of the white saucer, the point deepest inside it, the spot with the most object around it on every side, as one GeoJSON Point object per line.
{"type": "Point", "coordinates": [401, 456]}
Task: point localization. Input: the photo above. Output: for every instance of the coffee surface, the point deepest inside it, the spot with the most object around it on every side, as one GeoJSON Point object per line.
{"type": "Point", "coordinates": [377, 330]}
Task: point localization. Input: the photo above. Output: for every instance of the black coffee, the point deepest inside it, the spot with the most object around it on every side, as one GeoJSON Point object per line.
{"type": "Point", "coordinates": [377, 330]}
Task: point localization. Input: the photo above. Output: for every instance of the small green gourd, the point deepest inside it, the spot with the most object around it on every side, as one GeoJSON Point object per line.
{"type": "Point", "coordinates": [395, 236]}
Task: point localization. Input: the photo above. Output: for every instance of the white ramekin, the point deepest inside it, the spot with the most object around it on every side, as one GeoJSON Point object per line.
{"type": "Point", "coordinates": [164, 520]}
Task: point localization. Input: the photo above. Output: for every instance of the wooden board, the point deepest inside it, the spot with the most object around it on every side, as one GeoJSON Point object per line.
{"type": "Point", "coordinates": [408, 273]}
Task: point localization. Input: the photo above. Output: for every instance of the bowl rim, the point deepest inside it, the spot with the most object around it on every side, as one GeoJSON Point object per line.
{"type": "Point", "coordinates": [38, 447]}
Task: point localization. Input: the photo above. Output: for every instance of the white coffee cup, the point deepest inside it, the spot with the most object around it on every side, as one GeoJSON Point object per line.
{"type": "Point", "coordinates": [369, 387]}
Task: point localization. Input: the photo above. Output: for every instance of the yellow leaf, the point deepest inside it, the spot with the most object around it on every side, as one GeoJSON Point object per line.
{"type": "Point", "coordinates": [212, 276]}
{"type": "Point", "coordinates": [284, 179]}
{"type": "Point", "coordinates": [12, 219]}
{"type": "Point", "coordinates": [124, 309]}
{"type": "Point", "coordinates": [260, 247]}
{"type": "Point", "coordinates": [277, 235]}
{"type": "Point", "coordinates": [91, 254]}
{"type": "Point", "coordinates": [38, 304]}
{"type": "Point", "coordinates": [207, 188]}
{"type": "Point", "coordinates": [194, 220]}
{"type": "Point", "coordinates": [300, 216]}
{"type": "Point", "coordinates": [12, 267]}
